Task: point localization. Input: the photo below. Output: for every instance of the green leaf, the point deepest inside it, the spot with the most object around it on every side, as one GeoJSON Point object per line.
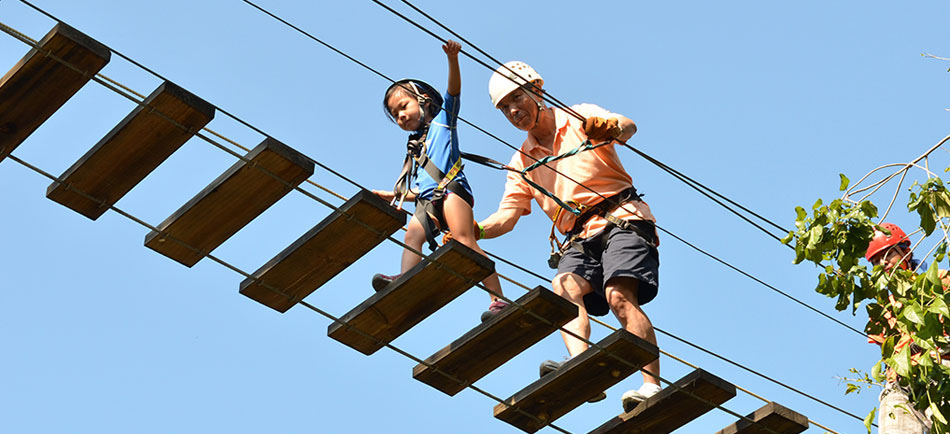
{"type": "Point", "coordinates": [939, 307]}
{"type": "Point", "coordinates": [870, 419]}
{"type": "Point", "coordinates": [927, 220]}
{"type": "Point", "coordinates": [902, 362]}
{"type": "Point", "coordinates": [868, 209]}
{"type": "Point", "coordinates": [851, 388]}
{"type": "Point", "coordinates": [933, 275]}
{"type": "Point", "coordinates": [876, 372]}
{"type": "Point", "coordinates": [844, 182]}
{"type": "Point", "coordinates": [800, 213]}
{"type": "Point", "coordinates": [937, 414]}
{"type": "Point", "coordinates": [931, 328]}
{"type": "Point", "coordinates": [942, 203]}
{"type": "Point", "coordinates": [788, 237]}
{"type": "Point", "coordinates": [913, 313]}
{"type": "Point", "coordinates": [887, 348]}
{"type": "Point", "coordinates": [799, 253]}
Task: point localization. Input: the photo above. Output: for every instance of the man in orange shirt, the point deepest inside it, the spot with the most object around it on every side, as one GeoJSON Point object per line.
{"type": "Point", "coordinates": [610, 262]}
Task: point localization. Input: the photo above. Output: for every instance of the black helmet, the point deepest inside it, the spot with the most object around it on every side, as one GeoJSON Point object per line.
{"type": "Point", "coordinates": [429, 99]}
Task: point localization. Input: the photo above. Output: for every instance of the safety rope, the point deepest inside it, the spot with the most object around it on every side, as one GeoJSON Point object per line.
{"type": "Point", "coordinates": [276, 177]}
{"type": "Point", "coordinates": [305, 193]}
{"type": "Point", "coordinates": [307, 34]}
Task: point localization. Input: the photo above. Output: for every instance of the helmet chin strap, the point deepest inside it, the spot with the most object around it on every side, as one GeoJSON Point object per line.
{"type": "Point", "coordinates": [538, 102]}
{"type": "Point", "coordinates": [423, 103]}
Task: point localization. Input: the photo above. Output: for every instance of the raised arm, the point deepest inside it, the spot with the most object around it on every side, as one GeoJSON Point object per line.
{"type": "Point", "coordinates": [452, 49]}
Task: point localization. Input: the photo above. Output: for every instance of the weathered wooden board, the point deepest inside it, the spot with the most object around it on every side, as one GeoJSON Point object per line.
{"type": "Point", "coordinates": [420, 292]}
{"type": "Point", "coordinates": [582, 377]}
{"type": "Point", "coordinates": [772, 417]}
{"type": "Point", "coordinates": [229, 203]}
{"type": "Point", "coordinates": [667, 411]}
{"type": "Point", "coordinates": [344, 236]}
{"type": "Point", "coordinates": [38, 84]}
{"type": "Point", "coordinates": [494, 342]}
{"type": "Point", "coordinates": [132, 150]}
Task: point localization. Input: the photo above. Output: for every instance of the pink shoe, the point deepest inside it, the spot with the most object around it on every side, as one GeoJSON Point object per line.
{"type": "Point", "coordinates": [380, 281]}
{"type": "Point", "coordinates": [493, 309]}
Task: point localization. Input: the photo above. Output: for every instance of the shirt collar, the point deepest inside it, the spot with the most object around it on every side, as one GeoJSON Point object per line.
{"type": "Point", "coordinates": [560, 122]}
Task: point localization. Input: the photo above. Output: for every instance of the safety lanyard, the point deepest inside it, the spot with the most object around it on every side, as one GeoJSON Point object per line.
{"type": "Point", "coordinates": [488, 162]}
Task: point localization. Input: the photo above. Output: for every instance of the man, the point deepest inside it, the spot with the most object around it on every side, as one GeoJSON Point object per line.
{"type": "Point", "coordinates": [610, 262]}
{"type": "Point", "coordinates": [897, 414]}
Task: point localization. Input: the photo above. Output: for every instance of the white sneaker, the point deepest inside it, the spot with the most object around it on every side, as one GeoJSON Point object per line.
{"type": "Point", "coordinates": [632, 398]}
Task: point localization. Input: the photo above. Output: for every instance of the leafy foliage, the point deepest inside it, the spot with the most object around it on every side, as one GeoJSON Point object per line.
{"type": "Point", "coordinates": [906, 310]}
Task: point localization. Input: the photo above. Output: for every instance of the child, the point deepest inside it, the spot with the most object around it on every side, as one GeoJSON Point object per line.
{"type": "Point", "coordinates": [443, 196]}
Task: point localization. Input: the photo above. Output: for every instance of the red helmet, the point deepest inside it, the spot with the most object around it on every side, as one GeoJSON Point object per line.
{"type": "Point", "coordinates": [882, 241]}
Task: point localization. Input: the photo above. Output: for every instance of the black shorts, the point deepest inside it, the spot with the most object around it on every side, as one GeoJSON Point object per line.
{"type": "Point", "coordinates": [613, 253]}
{"type": "Point", "coordinates": [436, 214]}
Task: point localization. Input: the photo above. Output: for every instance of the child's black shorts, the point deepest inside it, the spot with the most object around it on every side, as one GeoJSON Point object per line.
{"type": "Point", "coordinates": [613, 253]}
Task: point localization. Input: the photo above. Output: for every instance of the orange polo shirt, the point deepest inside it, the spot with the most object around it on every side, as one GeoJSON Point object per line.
{"type": "Point", "coordinates": [600, 169]}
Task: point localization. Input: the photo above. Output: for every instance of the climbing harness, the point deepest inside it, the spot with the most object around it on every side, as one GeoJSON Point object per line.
{"type": "Point", "coordinates": [428, 211]}
{"type": "Point", "coordinates": [582, 212]}
{"type": "Point", "coordinates": [643, 228]}
{"type": "Point", "coordinates": [488, 162]}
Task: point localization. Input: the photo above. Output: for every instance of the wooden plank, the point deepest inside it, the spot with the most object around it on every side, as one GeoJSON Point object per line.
{"type": "Point", "coordinates": [132, 150]}
{"type": "Point", "coordinates": [418, 293]}
{"type": "Point", "coordinates": [38, 85]}
{"type": "Point", "coordinates": [494, 342]}
{"type": "Point", "coordinates": [580, 378]}
{"type": "Point", "coordinates": [344, 236]}
{"type": "Point", "coordinates": [771, 416]}
{"type": "Point", "coordinates": [674, 407]}
{"type": "Point", "coordinates": [229, 203]}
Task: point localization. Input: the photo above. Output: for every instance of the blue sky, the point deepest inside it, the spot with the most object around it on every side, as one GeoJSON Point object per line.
{"type": "Point", "coordinates": [765, 102]}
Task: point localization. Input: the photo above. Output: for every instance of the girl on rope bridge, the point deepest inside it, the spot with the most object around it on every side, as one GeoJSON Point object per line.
{"type": "Point", "coordinates": [442, 195]}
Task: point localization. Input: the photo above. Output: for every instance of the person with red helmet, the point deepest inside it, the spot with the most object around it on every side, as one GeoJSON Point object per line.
{"type": "Point", "coordinates": [890, 250]}
{"type": "Point", "coordinates": [896, 414]}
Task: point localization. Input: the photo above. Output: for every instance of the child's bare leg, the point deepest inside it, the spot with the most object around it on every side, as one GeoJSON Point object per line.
{"type": "Point", "coordinates": [458, 214]}
{"type": "Point", "coordinates": [415, 236]}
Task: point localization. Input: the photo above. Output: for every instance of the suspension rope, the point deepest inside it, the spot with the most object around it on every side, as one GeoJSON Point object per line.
{"type": "Point", "coordinates": [69, 187]}
{"type": "Point", "coordinates": [276, 290]}
{"type": "Point", "coordinates": [548, 97]}
{"type": "Point", "coordinates": [365, 334]}
{"type": "Point", "coordinates": [502, 141]}
{"type": "Point", "coordinates": [306, 193]}
{"type": "Point", "coordinates": [519, 150]}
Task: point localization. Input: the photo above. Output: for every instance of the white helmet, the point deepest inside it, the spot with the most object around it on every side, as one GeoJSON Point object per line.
{"type": "Point", "coordinates": [510, 77]}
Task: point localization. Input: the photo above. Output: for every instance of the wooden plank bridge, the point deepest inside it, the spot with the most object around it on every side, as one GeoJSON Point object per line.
{"type": "Point", "coordinates": [46, 78]}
